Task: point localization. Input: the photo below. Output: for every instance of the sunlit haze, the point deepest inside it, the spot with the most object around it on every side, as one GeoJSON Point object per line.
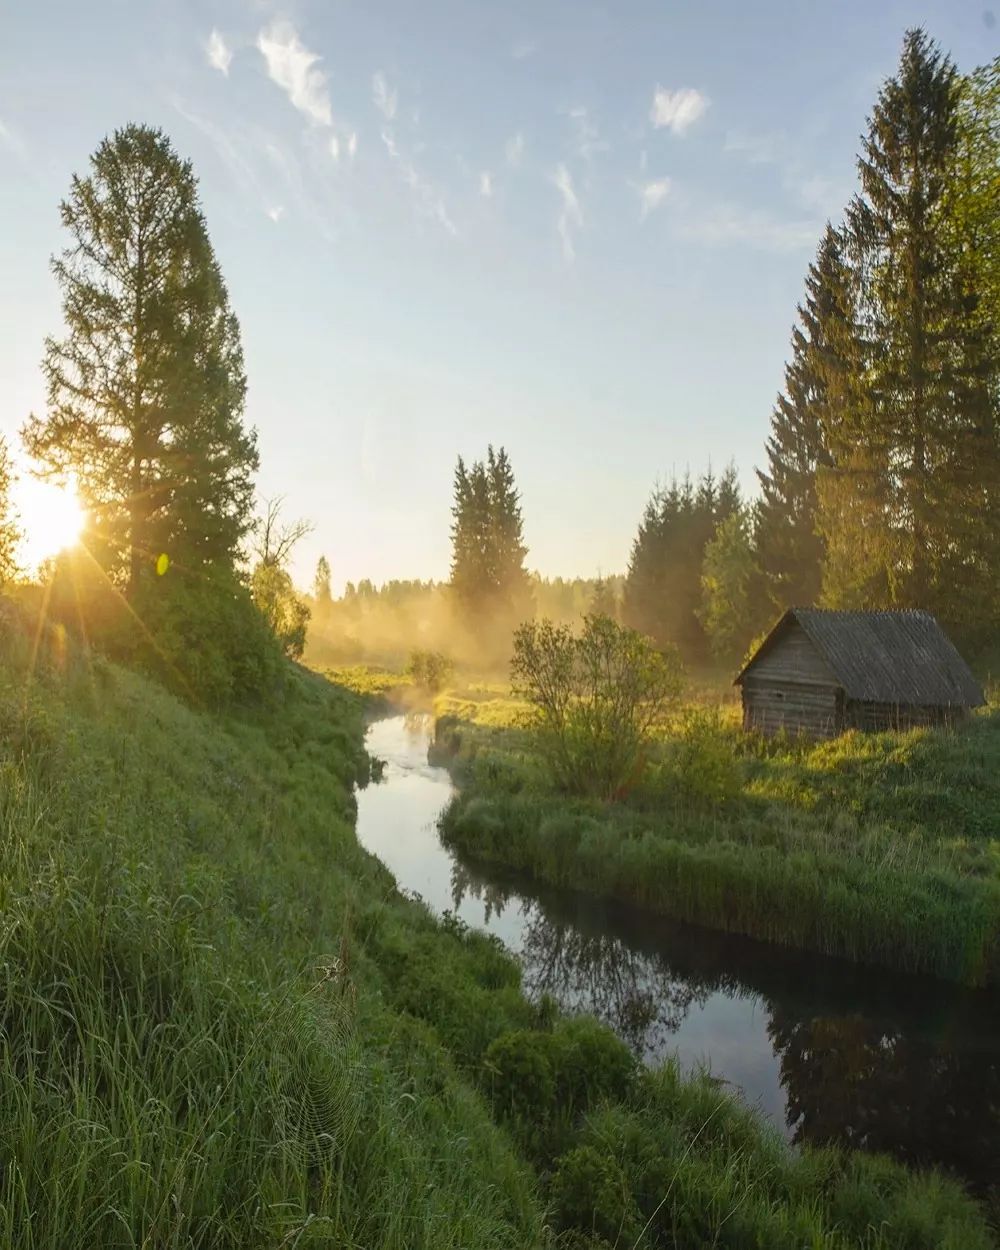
{"type": "Point", "coordinates": [578, 229]}
{"type": "Point", "coordinates": [50, 518]}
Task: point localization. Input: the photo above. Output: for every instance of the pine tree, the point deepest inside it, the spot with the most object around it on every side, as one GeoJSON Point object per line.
{"type": "Point", "coordinates": [791, 548]}
{"type": "Point", "coordinates": [322, 592]}
{"type": "Point", "coordinates": [488, 576]}
{"type": "Point", "coordinates": [603, 600]}
{"type": "Point", "coordinates": [970, 565]}
{"type": "Point", "coordinates": [909, 433]}
{"type": "Point", "coordinates": [663, 594]}
{"type": "Point", "coordinates": [146, 389]}
{"type": "Point", "coordinates": [732, 609]}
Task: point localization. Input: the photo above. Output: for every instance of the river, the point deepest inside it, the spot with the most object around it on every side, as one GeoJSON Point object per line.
{"type": "Point", "coordinates": [828, 1050]}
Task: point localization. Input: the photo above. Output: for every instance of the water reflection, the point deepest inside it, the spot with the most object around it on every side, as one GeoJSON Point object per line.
{"type": "Point", "coordinates": [832, 1052]}
{"type": "Point", "coordinates": [589, 971]}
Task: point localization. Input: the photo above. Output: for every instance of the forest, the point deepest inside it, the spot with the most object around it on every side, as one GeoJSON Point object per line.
{"type": "Point", "coordinates": [226, 1023]}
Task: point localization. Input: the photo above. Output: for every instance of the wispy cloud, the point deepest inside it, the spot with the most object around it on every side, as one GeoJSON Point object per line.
{"type": "Point", "coordinates": [677, 110]}
{"type": "Point", "coordinates": [570, 216]}
{"type": "Point", "coordinates": [486, 184]}
{"type": "Point", "coordinates": [386, 98]}
{"type": "Point", "coordinates": [429, 201]}
{"type": "Point", "coordinates": [514, 149]}
{"type": "Point", "coordinates": [292, 66]}
{"type": "Point", "coordinates": [523, 49]}
{"type": "Point", "coordinates": [220, 55]}
{"type": "Point", "coordinates": [587, 140]}
{"type": "Point", "coordinates": [727, 224]}
{"type": "Point", "coordinates": [651, 195]}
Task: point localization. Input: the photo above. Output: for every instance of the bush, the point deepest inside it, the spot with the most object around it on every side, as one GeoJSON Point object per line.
{"type": "Point", "coordinates": [198, 633]}
{"type": "Point", "coordinates": [590, 1193]}
{"type": "Point", "coordinates": [598, 696]}
{"type": "Point", "coordinates": [429, 670]}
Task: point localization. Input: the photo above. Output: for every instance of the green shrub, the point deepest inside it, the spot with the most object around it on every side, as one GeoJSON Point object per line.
{"type": "Point", "coordinates": [590, 1193]}
{"type": "Point", "coordinates": [430, 671]}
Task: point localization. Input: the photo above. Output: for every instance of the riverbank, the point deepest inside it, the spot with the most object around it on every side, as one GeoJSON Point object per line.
{"type": "Point", "coordinates": [223, 1025]}
{"type": "Point", "coordinates": [828, 1051]}
{"type": "Point", "coordinates": [876, 848]}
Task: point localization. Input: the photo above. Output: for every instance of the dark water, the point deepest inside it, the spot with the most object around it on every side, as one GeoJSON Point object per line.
{"type": "Point", "coordinates": [828, 1050]}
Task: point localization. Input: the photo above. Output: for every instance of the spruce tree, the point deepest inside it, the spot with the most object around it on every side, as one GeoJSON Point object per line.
{"type": "Point", "coordinates": [663, 592]}
{"type": "Point", "coordinates": [908, 434]}
{"type": "Point", "coordinates": [322, 592]}
{"type": "Point", "coordinates": [146, 388]}
{"type": "Point", "coordinates": [488, 576]}
{"type": "Point", "coordinates": [790, 548]}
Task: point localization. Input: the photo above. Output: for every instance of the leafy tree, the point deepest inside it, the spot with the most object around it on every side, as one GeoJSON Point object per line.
{"type": "Point", "coordinates": [271, 583]}
{"type": "Point", "coordinates": [146, 388]}
{"type": "Point", "coordinates": [734, 604]}
{"type": "Point", "coordinates": [430, 670]}
{"type": "Point", "coordinates": [598, 695]}
{"type": "Point", "coordinates": [488, 575]}
{"type": "Point", "coordinates": [10, 533]}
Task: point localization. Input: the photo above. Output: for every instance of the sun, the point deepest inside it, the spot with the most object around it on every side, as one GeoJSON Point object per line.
{"type": "Point", "coordinates": [50, 518]}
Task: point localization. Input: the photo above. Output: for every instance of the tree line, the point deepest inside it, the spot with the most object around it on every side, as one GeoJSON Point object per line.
{"type": "Point", "coordinates": [881, 486]}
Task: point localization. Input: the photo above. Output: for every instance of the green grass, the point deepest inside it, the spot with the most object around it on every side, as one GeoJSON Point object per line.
{"type": "Point", "coordinates": [221, 1026]}
{"type": "Point", "coordinates": [882, 848]}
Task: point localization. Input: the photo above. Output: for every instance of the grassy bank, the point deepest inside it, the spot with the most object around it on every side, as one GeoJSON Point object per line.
{"type": "Point", "coordinates": [880, 848]}
{"type": "Point", "coordinates": [221, 1026]}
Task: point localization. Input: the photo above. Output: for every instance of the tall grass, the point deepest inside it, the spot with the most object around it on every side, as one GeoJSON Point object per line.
{"type": "Point", "coordinates": [191, 1053]}
{"type": "Point", "coordinates": [221, 1026]}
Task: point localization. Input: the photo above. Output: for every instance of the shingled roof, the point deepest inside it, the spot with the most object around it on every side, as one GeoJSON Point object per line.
{"type": "Point", "coordinates": [885, 657]}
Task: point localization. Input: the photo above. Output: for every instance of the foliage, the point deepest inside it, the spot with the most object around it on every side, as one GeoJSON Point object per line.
{"type": "Point", "coordinates": [733, 601]}
{"type": "Point", "coordinates": [598, 695]}
{"type": "Point", "coordinates": [790, 548]}
{"type": "Point", "coordinates": [884, 456]}
{"type": "Point", "coordinates": [876, 847]}
{"type": "Point", "coordinates": [10, 534]}
{"type": "Point", "coordinates": [146, 390]}
{"type": "Point", "coordinates": [200, 635]}
{"type": "Point", "coordinates": [663, 592]}
{"type": "Point", "coordinates": [287, 615]}
{"type": "Point", "coordinates": [206, 976]}
{"type": "Point", "coordinates": [429, 670]}
{"type": "Point", "coordinates": [488, 577]}
{"type": "Point", "coordinates": [191, 983]}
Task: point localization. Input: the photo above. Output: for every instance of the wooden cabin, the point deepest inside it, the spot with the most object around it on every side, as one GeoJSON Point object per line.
{"type": "Point", "coordinates": [820, 672]}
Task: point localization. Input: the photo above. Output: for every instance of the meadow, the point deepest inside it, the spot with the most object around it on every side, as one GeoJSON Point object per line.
{"type": "Point", "coordinates": [881, 848]}
{"type": "Point", "coordinates": [223, 1026]}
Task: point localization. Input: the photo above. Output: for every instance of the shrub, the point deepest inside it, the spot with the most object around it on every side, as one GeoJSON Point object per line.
{"type": "Point", "coordinates": [598, 695]}
{"type": "Point", "coordinates": [590, 1193]}
{"type": "Point", "coordinates": [429, 670]}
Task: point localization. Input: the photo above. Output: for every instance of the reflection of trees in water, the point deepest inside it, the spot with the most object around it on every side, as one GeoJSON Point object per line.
{"type": "Point", "coordinates": [636, 994]}
{"type": "Point", "coordinates": [849, 1079]}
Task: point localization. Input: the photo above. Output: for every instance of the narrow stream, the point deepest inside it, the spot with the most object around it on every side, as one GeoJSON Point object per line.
{"type": "Point", "coordinates": [828, 1050]}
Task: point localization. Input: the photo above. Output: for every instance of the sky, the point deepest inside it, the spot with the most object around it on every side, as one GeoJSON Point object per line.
{"type": "Point", "coordinates": [576, 229]}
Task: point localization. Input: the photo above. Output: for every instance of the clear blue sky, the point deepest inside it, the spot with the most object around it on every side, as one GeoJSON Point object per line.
{"type": "Point", "coordinates": [576, 229]}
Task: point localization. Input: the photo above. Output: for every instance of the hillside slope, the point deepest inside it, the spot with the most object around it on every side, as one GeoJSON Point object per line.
{"type": "Point", "coordinates": [221, 1025]}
